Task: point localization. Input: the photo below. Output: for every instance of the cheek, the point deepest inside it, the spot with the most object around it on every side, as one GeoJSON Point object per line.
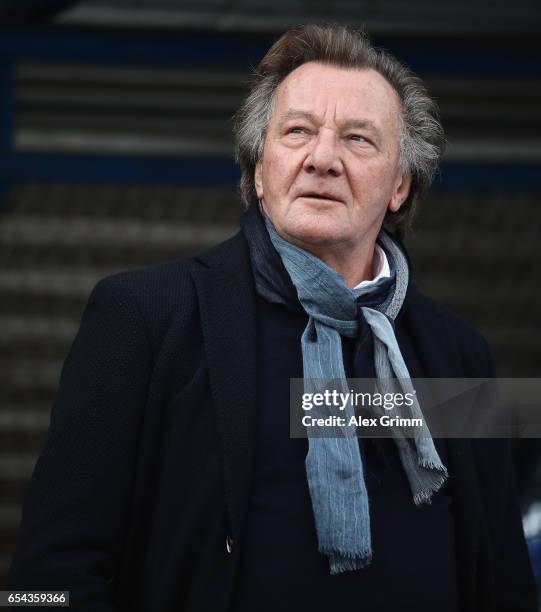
{"type": "Point", "coordinates": [280, 168]}
{"type": "Point", "coordinates": [374, 183]}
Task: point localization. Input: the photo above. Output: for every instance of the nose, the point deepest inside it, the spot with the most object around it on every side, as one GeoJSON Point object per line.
{"type": "Point", "coordinates": [324, 156]}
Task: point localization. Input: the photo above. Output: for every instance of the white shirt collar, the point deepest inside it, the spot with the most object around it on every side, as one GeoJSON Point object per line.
{"type": "Point", "coordinates": [380, 268]}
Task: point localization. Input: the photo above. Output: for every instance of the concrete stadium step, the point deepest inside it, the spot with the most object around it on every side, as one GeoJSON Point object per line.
{"type": "Point", "coordinates": [22, 430]}
{"type": "Point", "coordinates": [473, 246]}
{"type": "Point", "coordinates": [115, 257]}
{"type": "Point", "coordinates": [10, 518]}
{"type": "Point", "coordinates": [16, 395]}
{"type": "Point", "coordinates": [29, 378]}
{"type": "Point", "coordinates": [25, 415]}
{"type": "Point", "coordinates": [26, 331]}
{"type": "Point", "coordinates": [187, 110]}
{"type": "Point", "coordinates": [482, 294]}
{"type": "Point", "coordinates": [15, 470]}
{"type": "Point", "coordinates": [194, 205]}
{"type": "Point", "coordinates": [31, 304]}
{"type": "Point", "coordinates": [416, 19]}
{"type": "Point", "coordinates": [23, 437]}
{"type": "Point", "coordinates": [5, 562]}
{"type": "Point", "coordinates": [79, 233]}
{"type": "Point", "coordinates": [53, 283]}
{"type": "Point", "coordinates": [32, 417]}
{"type": "Point", "coordinates": [86, 234]}
{"type": "Point", "coordinates": [221, 205]}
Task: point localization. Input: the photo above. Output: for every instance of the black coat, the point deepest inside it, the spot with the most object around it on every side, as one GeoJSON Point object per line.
{"type": "Point", "coordinates": [138, 499]}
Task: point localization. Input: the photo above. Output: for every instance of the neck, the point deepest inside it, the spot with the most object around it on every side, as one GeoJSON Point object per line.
{"type": "Point", "coordinates": [353, 264]}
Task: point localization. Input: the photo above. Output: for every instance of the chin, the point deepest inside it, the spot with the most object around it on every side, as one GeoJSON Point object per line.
{"type": "Point", "coordinates": [314, 231]}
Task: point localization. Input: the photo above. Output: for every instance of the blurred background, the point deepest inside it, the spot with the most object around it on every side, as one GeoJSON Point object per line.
{"type": "Point", "coordinates": [116, 152]}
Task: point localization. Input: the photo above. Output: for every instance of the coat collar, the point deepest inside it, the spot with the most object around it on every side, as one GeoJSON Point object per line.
{"type": "Point", "coordinates": [225, 288]}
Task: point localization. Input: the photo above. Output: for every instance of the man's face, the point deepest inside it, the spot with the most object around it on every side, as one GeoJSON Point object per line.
{"type": "Point", "coordinates": [330, 166]}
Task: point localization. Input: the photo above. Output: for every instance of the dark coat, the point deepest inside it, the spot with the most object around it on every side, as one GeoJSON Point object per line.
{"type": "Point", "coordinates": [138, 499]}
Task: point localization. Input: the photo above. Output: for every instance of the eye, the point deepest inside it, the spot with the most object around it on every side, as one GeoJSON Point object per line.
{"type": "Point", "coordinates": [358, 138]}
{"type": "Point", "coordinates": [297, 129]}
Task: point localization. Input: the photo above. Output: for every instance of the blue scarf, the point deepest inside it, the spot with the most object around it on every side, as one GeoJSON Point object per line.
{"type": "Point", "coordinates": [287, 274]}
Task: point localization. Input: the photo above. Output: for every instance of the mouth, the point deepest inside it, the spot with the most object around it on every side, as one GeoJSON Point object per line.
{"type": "Point", "coordinates": [319, 195]}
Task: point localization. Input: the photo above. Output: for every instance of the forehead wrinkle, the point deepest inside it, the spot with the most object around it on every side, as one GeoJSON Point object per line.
{"type": "Point", "coordinates": [361, 124]}
{"type": "Point", "coordinates": [347, 124]}
{"type": "Point", "coordinates": [294, 113]}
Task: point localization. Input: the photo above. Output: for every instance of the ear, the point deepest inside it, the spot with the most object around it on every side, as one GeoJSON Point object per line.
{"type": "Point", "coordinates": [401, 192]}
{"type": "Point", "coordinates": [258, 180]}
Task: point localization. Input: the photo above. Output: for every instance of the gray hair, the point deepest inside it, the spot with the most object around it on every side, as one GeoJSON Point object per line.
{"type": "Point", "coordinates": [422, 138]}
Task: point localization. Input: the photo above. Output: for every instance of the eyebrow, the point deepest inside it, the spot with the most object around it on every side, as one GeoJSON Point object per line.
{"type": "Point", "coordinates": [351, 123]}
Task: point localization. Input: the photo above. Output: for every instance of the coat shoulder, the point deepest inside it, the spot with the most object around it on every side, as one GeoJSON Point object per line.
{"type": "Point", "coordinates": [168, 284]}
{"type": "Point", "coordinates": [442, 314]}
{"type": "Point", "coordinates": [165, 294]}
{"type": "Point", "coordinates": [450, 330]}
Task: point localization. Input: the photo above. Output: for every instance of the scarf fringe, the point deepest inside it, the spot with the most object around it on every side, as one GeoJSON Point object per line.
{"type": "Point", "coordinates": [425, 495]}
{"type": "Point", "coordinates": [347, 562]}
{"type": "Point", "coordinates": [431, 464]}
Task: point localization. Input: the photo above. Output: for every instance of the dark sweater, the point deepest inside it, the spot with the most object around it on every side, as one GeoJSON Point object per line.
{"type": "Point", "coordinates": [413, 567]}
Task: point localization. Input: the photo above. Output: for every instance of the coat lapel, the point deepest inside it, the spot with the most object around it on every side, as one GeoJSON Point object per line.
{"type": "Point", "coordinates": [224, 284]}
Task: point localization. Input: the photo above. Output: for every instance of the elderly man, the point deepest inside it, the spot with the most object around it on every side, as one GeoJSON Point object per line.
{"type": "Point", "coordinates": [169, 480]}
